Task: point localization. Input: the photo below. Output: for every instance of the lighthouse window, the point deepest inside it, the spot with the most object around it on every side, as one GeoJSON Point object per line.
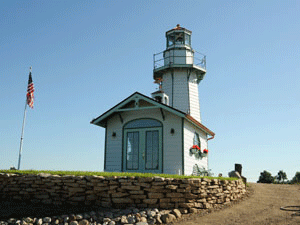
{"type": "Point", "coordinates": [171, 40]}
{"type": "Point", "coordinates": [179, 38]}
{"type": "Point", "coordinates": [187, 39]}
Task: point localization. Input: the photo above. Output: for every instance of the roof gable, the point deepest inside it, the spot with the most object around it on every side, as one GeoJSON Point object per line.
{"type": "Point", "coordinates": [138, 101]}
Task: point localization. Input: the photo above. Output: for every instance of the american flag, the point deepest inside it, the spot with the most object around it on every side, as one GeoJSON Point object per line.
{"type": "Point", "coordinates": [30, 91]}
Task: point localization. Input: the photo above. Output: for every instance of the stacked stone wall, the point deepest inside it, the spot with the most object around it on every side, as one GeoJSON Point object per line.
{"type": "Point", "coordinates": [149, 192]}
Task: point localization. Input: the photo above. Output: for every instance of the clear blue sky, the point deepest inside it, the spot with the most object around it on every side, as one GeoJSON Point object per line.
{"type": "Point", "coordinates": [87, 56]}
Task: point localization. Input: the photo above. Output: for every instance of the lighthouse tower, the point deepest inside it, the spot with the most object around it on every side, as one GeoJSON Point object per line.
{"type": "Point", "coordinates": [178, 70]}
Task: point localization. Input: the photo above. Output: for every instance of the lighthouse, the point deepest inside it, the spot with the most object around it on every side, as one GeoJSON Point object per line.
{"type": "Point", "coordinates": [179, 70]}
{"type": "Point", "coordinates": [162, 133]}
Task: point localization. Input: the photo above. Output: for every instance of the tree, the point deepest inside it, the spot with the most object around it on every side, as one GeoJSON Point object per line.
{"type": "Point", "coordinates": [281, 176]}
{"type": "Point", "coordinates": [296, 178]}
{"type": "Point", "coordinates": [265, 177]}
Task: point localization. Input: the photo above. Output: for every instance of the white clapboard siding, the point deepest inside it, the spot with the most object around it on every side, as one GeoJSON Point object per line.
{"type": "Point", "coordinates": [194, 97]}
{"type": "Point", "coordinates": [183, 94]}
{"type": "Point", "coordinates": [113, 145]}
{"type": "Point", "coordinates": [190, 160]}
{"type": "Point", "coordinates": [172, 144]}
{"type": "Point", "coordinates": [167, 86]}
{"type": "Point", "coordinates": [180, 91]}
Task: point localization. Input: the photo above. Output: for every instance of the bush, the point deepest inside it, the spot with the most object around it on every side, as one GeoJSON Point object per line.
{"type": "Point", "coordinates": [265, 177]}
{"type": "Point", "coordinates": [281, 176]}
{"type": "Point", "coordinates": [296, 178]}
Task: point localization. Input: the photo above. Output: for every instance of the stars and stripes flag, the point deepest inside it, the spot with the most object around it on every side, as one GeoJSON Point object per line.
{"type": "Point", "coordinates": [30, 90]}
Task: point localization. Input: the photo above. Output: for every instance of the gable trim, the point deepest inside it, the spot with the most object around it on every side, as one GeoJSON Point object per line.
{"type": "Point", "coordinates": [100, 121]}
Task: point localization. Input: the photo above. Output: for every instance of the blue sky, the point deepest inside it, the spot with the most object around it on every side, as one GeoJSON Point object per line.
{"type": "Point", "coordinates": [87, 56]}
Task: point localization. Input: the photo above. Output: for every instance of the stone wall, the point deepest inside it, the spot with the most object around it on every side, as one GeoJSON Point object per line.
{"type": "Point", "coordinates": [156, 192]}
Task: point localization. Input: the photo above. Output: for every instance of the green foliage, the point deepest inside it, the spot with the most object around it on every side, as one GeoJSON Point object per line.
{"type": "Point", "coordinates": [265, 177]}
{"type": "Point", "coordinates": [296, 178]}
{"type": "Point", "coordinates": [281, 176]}
{"type": "Point", "coordinates": [108, 174]}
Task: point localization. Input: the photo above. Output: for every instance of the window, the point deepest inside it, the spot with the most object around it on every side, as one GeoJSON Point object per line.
{"type": "Point", "coordinates": [171, 40]}
{"type": "Point", "coordinates": [179, 38]}
{"type": "Point", "coordinates": [143, 123]}
{"type": "Point", "coordinates": [187, 39]}
{"type": "Point", "coordinates": [197, 140]}
{"type": "Point", "coordinates": [152, 149]}
{"type": "Point", "coordinates": [132, 153]}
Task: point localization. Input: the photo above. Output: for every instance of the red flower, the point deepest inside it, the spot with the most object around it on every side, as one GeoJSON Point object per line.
{"type": "Point", "coordinates": [196, 147]}
{"type": "Point", "coordinates": [205, 151]}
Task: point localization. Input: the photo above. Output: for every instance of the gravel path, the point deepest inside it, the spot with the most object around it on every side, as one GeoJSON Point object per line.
{"type": "Point", "coordinates": [261, 208]}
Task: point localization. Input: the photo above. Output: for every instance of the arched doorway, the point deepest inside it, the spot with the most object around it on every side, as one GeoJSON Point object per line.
{"type": "Point", "coordinates": [142, 146]}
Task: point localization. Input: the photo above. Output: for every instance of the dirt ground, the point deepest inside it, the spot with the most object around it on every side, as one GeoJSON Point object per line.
{"type": "Point", "coordinates": [262, 207]}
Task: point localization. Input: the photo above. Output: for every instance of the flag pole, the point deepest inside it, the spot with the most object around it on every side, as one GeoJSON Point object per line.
{"type": "Point", "coordinates": [21, 142]}
{"type": "Point", "coordinates": [23, 126]}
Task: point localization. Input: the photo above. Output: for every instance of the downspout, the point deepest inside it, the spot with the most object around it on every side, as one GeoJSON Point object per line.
{"type": "Point", "coordinates": [212, 137]}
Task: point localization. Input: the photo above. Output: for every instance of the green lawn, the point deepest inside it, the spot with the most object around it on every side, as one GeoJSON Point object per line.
{"type": "Point", "coordinates": [107, 174]}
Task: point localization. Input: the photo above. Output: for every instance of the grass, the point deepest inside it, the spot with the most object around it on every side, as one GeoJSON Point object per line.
{"type": "Point", "coordinates": [108, 174]}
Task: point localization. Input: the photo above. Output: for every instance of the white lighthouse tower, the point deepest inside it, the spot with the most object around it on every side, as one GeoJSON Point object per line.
{"type": "Point", "coordinates": [179, 69]}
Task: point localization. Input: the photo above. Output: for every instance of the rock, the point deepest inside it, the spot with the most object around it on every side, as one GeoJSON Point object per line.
{"type": "Point", "coordinates": [177, 213]}
{"type": "Point", "coordinates": [47, 220]}
{"type": "Point", "coordinates": [152, 221]}
{"type": "Point", "coordinates": [79, 217]}
{"type": "Point", "coordinates": [131, 219]}
{"type": "Point", "coordinates": [106, 220]}
{"type": "Point", "coordinates": [172, 187]}
{"type": "Point", "coordinates": [207, 205]}
{"type": "Point", "coordinates": [11, 220]}
{"type": "Point", "coordinates": [141, 223]}
{"type": "Point", "coordinates": [66, 219]}
{"type": "Point", "coordinates": [39, 221]}
{"type": "Point", "coordinates": [193, 210]}
{"type": "Point", "coordinates": [44, 175]}
{"type": "Point", "coordinates": [143, 219]}
{"type": "Point", "coordinates": [124, 219]}
{"type": "Point", "coordinates": [72, 217]}
{"type": "Point", "coordinates": [84, 222]}
{"type": "Point", "coordinates": [143, 214]}
{"type": "Point", "coordinates": [28, 220]}
{"type": "Point", "coordinates": [112, 223]}
{"type": "Point", "coordinates": [234, 174]}
{"type": "Point", "coordinates": [168, 218]}
{"type": "Point", "coordinates": [151, 213]}
{"type": "Point", "coordinates": [74, 223]}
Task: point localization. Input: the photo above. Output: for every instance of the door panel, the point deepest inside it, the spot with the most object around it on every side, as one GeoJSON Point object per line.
{"type": "Point", "coordinates": [143, 150]}
{"type": "Point", "coordinates": [152, 150]}
{"type": "Point", "coordinates": [132, 151]}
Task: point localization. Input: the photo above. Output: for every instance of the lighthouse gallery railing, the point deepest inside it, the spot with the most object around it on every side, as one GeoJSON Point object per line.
{"type": "Point", "coordinates": [197, 59]}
